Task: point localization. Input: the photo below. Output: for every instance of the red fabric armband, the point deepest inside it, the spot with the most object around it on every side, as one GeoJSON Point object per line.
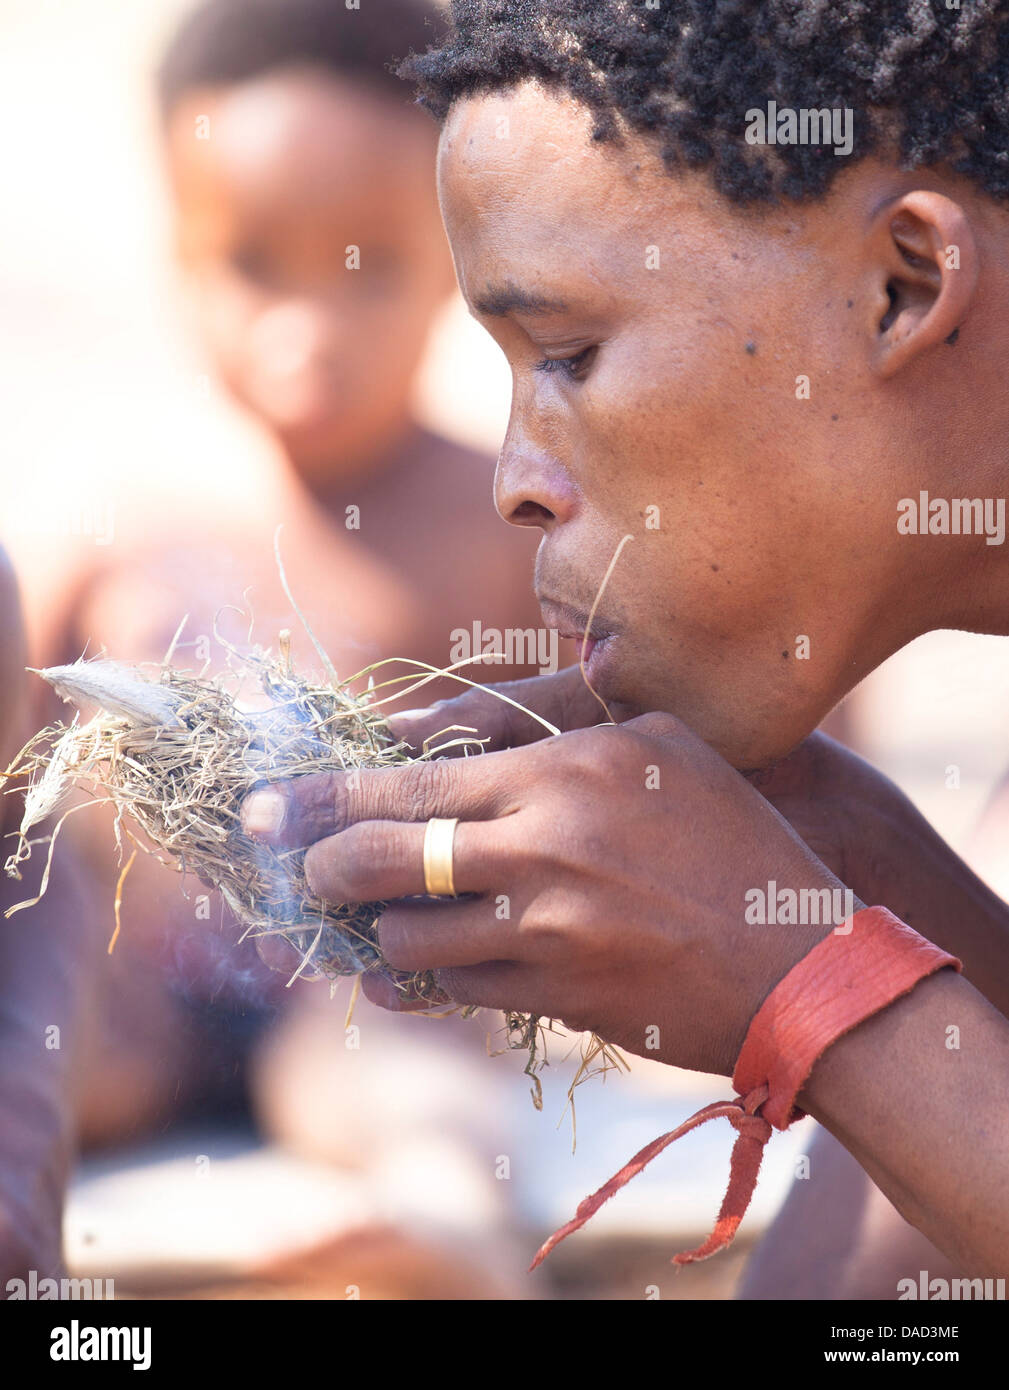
{"type": "Point", "coordinates": [846, 978]}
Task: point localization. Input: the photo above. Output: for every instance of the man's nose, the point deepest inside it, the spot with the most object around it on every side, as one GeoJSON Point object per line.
{"type": "Point", "coordinates": [531, 488]}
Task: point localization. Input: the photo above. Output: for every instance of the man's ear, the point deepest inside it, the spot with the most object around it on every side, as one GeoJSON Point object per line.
{"type": "Point", "coordinates": [927, 272]}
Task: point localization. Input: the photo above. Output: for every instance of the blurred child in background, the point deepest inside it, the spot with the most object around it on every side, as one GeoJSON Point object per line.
{"type": "Point", "coordinates": [310, 241]}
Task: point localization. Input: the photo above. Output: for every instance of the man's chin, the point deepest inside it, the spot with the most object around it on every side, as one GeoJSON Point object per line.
{"type": "Point", "coordinates": [747, 747]}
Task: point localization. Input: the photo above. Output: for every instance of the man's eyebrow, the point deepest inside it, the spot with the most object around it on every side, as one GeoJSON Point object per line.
{"type": "Point", "coordinates": [496, 302]}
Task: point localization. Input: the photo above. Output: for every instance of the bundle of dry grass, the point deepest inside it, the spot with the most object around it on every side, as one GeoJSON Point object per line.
{"type": "Point", "coordinates": [175, 753]}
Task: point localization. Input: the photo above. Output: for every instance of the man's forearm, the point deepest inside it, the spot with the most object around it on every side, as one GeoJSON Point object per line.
{"type": "Point", "coordinates": [918, 1095]}
{"type": "Point", "coordinates": [908, 868]}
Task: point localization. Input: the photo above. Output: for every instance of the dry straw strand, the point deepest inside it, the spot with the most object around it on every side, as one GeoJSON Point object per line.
{"type": "Point", "coordinates": [176, 754]}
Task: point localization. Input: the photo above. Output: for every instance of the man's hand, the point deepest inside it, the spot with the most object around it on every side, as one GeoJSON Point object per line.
{"type": "Point", "coordinates": [604, 875]}
{"type": "Point", "coordinates": [852, 817]}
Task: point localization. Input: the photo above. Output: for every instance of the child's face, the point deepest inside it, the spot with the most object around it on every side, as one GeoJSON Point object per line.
{"type": "Point", "coordinates": [760, 518]}
{"type": "Point", "coordinates": [299, 170]}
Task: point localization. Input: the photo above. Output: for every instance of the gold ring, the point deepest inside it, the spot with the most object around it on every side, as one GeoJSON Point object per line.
{"type": "Point", "coordinates": [439, 845]}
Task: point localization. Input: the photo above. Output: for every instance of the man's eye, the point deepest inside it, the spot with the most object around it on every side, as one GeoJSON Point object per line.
{"type": "Point", "coordinates": [574, 368]}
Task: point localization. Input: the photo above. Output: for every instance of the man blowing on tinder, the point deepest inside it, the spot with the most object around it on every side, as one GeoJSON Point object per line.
{"type": "Point", "coordinates": [660, 285]}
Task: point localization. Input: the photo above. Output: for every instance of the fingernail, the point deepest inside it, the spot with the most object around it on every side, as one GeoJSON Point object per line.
{"type": "Point", "coordinates": [263, 813]}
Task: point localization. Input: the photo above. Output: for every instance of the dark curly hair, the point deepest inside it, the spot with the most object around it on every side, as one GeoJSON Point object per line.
{"type": "Point", "coordinates": [224, 42]}
{"type": "Point", "coordinates": [926, 83]}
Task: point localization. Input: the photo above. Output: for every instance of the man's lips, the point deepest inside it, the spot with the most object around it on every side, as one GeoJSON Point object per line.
{"type": "Point", "coordinates": [574, 624]}
{"type": "Point", "coordinates": [569, 622]}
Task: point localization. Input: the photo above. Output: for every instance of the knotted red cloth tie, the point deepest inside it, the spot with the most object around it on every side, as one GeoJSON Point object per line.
{"type": "Point", "coordinates": [848, 976]}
